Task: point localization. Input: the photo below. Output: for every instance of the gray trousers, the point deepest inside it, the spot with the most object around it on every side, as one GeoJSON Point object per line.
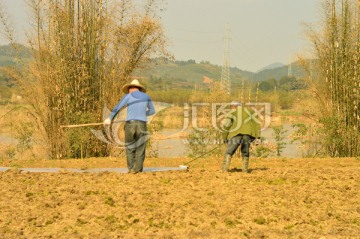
{"type": "Point", "coordinates": [136, 136]}
{"type": "Point", "coordinates": [242, 140]}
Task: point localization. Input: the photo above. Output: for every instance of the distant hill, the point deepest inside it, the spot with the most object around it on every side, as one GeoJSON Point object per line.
{"type": "Point", "coordinates": [190, 73]}
{"type": "Point", "coordinates": [8, 53]}
{"type": "Point", "coordinates": [279, 72]}
{"type": "Point", "coordinates": [190, 70]}
{"type": "Point", "coordinates": [183, 74]}
{"type": "Point", "coordinates": [272, 66]}
{"type": "Point", "coordinates": [7, 58]}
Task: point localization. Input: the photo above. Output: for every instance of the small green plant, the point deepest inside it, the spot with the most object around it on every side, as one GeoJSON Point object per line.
{"type": "Point", "coordinates": [229, 222]}
{"type": "Point", "coordinates": [24, 136]}
{"type": "Point", "coordinates": [279, 133]}
{"type": "Point", "coordinates": [277, 181]}
{"type": "Point", "coordinates": [110, 201]}
{"type": "Point", "coordinates": [260, 220]}
{"type": "Point", "coordinates": [112, 219]}
{"type": "Point", "coordinates": [29, 194]}
{"type": "Point", "coordinates": [289, 227]}
{"type": "Point", "coordinates": [152, 143]}
{"type": "Point", "coordinates": [10, 152]}
{"type": "Point", "coordinates": [201, 142]}
{"type": "Point", "coordinates": [309, 138]}
{"type": "Point", "coordinates": [261, 151]}
{"type": "Point", "coordinates": [80, 222]}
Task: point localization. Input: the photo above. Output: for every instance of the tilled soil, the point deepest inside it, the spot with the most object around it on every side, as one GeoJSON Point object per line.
{"type": "Point", "coordinates": [280, 198]}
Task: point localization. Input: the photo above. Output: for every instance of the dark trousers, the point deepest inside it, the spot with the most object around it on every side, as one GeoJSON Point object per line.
{"type": "Point", "coordinates": [241, 139]}
{"type": "Point", "coordinates": [136, 136]}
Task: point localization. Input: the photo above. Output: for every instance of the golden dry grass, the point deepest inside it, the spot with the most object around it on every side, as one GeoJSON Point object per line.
{"type": "Point", "coordinates": [280, 198]}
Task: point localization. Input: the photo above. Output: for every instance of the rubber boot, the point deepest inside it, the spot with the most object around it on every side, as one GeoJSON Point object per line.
{"type": "Point", "coordinates": [245, 164]}
{"type": "Point", "coordinates": [226, 163]}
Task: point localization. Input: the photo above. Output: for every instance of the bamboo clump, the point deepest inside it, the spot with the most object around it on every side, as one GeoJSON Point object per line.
{"type": "Point", "coordinates": [336, 78]}
{"type": "Point", "coordinates": [84, 51]}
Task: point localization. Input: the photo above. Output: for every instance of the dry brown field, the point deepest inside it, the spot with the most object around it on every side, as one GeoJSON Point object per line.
{"type": "Point", "coordinates": [280, 198]}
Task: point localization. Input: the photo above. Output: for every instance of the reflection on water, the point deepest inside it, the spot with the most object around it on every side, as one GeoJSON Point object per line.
{"type": "Point", "coordinates": [177, 147]}
{"type": "Point", "coordinates": [8, 140]}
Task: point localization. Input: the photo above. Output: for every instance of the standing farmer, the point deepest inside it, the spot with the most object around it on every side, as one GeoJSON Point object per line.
{"type": "Point", "coordinates": [139, 106]}
{"type": "Point", "coordinates": [240, 128]}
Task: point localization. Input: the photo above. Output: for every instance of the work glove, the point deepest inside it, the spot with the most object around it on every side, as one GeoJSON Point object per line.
{"type": "Point", "coordinates": [107, 122]}
{"type": "Point", "coordinates": [257, 141]}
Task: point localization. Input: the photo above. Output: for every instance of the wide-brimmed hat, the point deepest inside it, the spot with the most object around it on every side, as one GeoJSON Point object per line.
{"type": "Point", "coordinates": [235, 103]}
{"type": "Point", "coordinates": [134, 83]}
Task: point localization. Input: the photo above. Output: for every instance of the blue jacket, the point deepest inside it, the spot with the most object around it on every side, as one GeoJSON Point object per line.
{"type": "Point", "coordinates": [139, 105]}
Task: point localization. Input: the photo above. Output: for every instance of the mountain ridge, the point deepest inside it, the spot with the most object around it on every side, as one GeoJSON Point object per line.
{"type": "Point", "coordinates": [271, 66]}
{"type": "Point", "coordinates": [184, 71]}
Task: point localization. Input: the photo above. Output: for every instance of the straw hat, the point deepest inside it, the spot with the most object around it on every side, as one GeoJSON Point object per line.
{"type": "Point", "coordinates": [134, 83]}
{"type": "Point", "coordinates": [235, 103]}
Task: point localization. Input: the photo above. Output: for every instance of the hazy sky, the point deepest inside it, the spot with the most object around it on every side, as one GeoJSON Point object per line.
{"type": "Point", "coordinates": [262, 32]}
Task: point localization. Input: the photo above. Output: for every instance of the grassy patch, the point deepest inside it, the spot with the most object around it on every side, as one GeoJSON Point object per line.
{"type": "Point", "coordinates": [277, 181]}
{"type": "Point", "coordinates": [289, 227]}
{"type": "Point", "coordinates": [111, 219]}
{"type": "Point", "coordinates": [80, 222]}
{"type": "Point", "coordinates": [260, 220]}
{"type": "Point", "coordinates": [110, 201]}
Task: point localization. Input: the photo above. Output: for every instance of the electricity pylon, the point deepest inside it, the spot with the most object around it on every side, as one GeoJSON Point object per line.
{"type": "Point", "coordinates": [225, 74]}
{"type": "Point", "coordinates": [290, 73]}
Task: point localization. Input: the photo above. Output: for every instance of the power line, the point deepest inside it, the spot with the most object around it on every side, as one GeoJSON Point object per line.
{"type": "Point", "coordinates": [193, 41]}
{"type": "Point", "coordinates": [194, 31]}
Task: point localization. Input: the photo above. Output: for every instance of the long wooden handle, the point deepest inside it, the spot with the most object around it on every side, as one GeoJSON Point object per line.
{"type": "Point", "coordinates": [89, 124]}
{"type": "Point", "coordinates": [80, 125]}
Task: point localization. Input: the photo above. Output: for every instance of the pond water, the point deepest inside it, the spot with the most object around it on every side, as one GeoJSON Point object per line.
{"type": "Point", "coordinates": [7, 139]}
{"type": "Point", "coordinates": [177, 147]}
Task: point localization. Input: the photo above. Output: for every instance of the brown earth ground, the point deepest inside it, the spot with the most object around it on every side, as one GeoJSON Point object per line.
{"type": "Point", "coordinates": [280, 198]}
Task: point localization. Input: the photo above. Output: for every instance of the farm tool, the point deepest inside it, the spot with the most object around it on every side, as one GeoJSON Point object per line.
{"type": "Point", "coordinates": [194, 159]}
{"type": "Point", "coordinates": [88, 124]}
{"type": "Point", "coordinates": [80, 125]}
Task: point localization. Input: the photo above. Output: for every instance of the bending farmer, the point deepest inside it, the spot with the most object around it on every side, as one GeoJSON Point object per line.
{"type": "Point", "coordinates": [240, 129]}
{"type": "Point", "coordinates": [139, 105]}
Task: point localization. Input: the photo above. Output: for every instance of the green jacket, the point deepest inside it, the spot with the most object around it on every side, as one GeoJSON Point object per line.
{"type": "Point", "coordinates": [241, 121]}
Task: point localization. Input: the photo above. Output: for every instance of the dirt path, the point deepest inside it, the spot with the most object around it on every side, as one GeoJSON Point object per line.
{"type": "Point", "coordinates": [280, 198]}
